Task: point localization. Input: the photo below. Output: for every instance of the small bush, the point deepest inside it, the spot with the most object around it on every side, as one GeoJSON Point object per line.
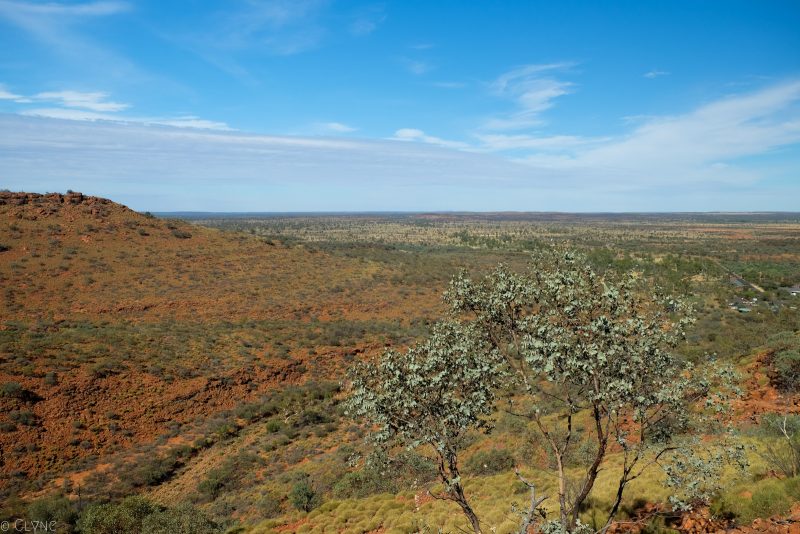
{"type": "Point", "coordinates": [6, 426]}
{"type": "Point", "coordinates": [23, 417]}
{"type": "Point", "coordinates": [274, 425]}
{"type": "Point", "coordinates": [782, 448]}
{"type": "Point", "coordinates": [54, 508]}
{"type": "Point", "coordinates": [182, 518]}
{"type": "Point", "coordinates": [270, 506]}
{"type": "Point", "coordinates": [303, 496]}
{"type": "Point", "coordinates": [126, 516]}
{"type": "Point", "coordinates": [490, 462]}
{"type": "Point", "coordinates": [12, 390]}
{"type": "Point", "coordinates": [786, 370]}
{"type": "Point", "coordinates": [181, 234]}
{"type": "Point", "coordinates": [360, 484]}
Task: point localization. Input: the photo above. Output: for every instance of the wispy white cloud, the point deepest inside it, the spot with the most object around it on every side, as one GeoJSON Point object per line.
{"type": "Point", "coordinates": [183, 121]}
{"type": "Point", "coordinates": [449, 85]}
{"type": "Point", "coordinates": [5, 94]}
{"type": "Point", "coordinates": [94, 101]}
{"type": "Point", "coordinates": [655, 73]}
{"type": "Point", "coordinates": [363, 27]}
{"type": "Point", "coordinates": [187, 121]}
{"type": "Point", "coordinates": [415, 66]}
{"type": "Point", "coordinates": [503, 142]}
{"type": "Point", "coordinates": [282, 27]}
{"type": "Point", "coordinates": [95, 106]}
{"type": "Point", "coordinates": [534, 89]}
{"type": "Point", "coordinates": [198, 169]}
{"type": "Point", "coordinates": [702, 146]}
{"type": "Point", "coordinates": [412, 134]}
{"type": "Point", "coordinates": [367, 20]}
{"type": "Point", "coordinates": [335, 127]}
{"type": "Point", "coordinates": [58, 26]}
{"type": "Point", "coordinates": [18, 9]}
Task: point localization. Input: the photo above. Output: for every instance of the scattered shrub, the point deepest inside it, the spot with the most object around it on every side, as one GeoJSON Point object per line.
{"type": "Point", "coordinates": [786, 370]}
{"type": "Point", "coordinates": [54, 508]}
{"type": "Point", "coordinates": [6, 426]}
{"type": "Point", "coordinates": [490, 462]}
{"type": "Point", "coordinates": [126, 516]}
{"type": "Point", "coordinates": [303, 495]}
{"type": "Point", "coordinates": [270, 506]}
{"type": "Point", "coordinates": [183, 518]}
{"type": "Point", "coordinates": [181, 234]}
{"type": "Point", "coordinates": [12, 390]}
{"type": "Point", "coordinates": [23, 417]}
{"type": "Point", "coordinates": [782, 447]}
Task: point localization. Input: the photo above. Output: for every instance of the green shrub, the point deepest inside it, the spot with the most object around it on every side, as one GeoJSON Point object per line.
{"type": "Point", "coordinates": [126, 516]}
{"type": "Point", "coordinates": [181, 234]}
{"type": "Point", "coordinates": [781, 449]}
{"type": "Point", "coordinates": [54, 508]}
{"type": "Point", "coordinates": [303, 495]}
{"type": "Point", "coordinates": [156, 470]}
{"type": "Point", "coordinates": [490, 462]}
{"type": "Point", "coordinates": [12, 390]}
{"type": "Point", "coordinates": [786, 370]}
{"type": "Point", "coordinates": [769, 497]}
{"type": "Point", "coordinates": [274, 425]}
{"type": "Point", "coordinates": [270, 506]}
{"type": "Point", "coordinates": [6, 426]}
{"type": "Point", "coordinates": [23, 417]}
{"type": "Point", "coordinates": [360, 484]}
{"type": "Point", "coordinates": [768, 500]}
{"type": "Point", "coordinates": [183, 518]}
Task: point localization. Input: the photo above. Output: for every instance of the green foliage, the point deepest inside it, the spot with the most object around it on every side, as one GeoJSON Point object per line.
{"type": "Point", "coordinates": [786, 370]}
{"type": "Point", "coordinates": [554, 345]}
{"type": "Point", "coordinates": [127, 516]}
{"type": "Point", "coordinates": [54, 508]}
{"type": "Point", "coordinates": [181, 234]}
{"type": "Point", "coordinates": [784, 361]}
{"type": "Point", "coordinates": [764, 498]}
{"type": "Point", "coordinates": [433, 393]}
{"type": "Point", "coordinates": [782, 446]}
{"type": "Point", "coordinates": [155, 470]}
{"type": "Point", "coordinates": [303, 496]}
{"type": "Point", "coordinates": [183, 518]}
{"type": "Point", "coordinates": [229, 475]}
{"type": "Point", "coordinates": [12, 390]}
{"type": "Point", "coordinates": [137, 515]}
{"type": "Point", "coordinates": [490, 462]}
{"type": "Point", "coordinates": [24, 417]}
{"type": "Point", "coordinates": [269, 506]}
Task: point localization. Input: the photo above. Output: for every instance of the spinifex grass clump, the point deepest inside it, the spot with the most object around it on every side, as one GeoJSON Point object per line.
{"type": "Point", "coordinates": [573, 352]}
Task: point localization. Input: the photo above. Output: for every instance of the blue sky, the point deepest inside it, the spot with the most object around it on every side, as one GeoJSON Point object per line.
{"type": "Point", "coordinates": [310, 105]}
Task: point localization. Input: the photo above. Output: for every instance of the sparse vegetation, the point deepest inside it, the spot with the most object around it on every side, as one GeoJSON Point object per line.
{"type": "Point", "coordinates": [216, 361]}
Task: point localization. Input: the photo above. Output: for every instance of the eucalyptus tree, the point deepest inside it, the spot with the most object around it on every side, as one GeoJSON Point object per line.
{"type": "Point", "coordinates": [431, 395]}
{"type": "Point", "coordinates": [573, 352]}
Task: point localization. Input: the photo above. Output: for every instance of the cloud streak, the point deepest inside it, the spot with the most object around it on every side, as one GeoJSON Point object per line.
{"type": "Point", "coordinates": [699, 159]}
{"type": "Point", "coordinates": [534, 89]}
{"type": "Point", "coordinates": [413, 134]}
{"type": "Point", "coordinates": [705, 145]}
{"type": "Point", "coordinates": [702, 146]}
{"type": "Point", "coordinates": [655, 73]}
{"type": "Point", "coordinates": [94, 101]}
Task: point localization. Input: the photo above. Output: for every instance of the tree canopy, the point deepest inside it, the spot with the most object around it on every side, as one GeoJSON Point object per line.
{"type": "Point", "coordinates": [572, 351]}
